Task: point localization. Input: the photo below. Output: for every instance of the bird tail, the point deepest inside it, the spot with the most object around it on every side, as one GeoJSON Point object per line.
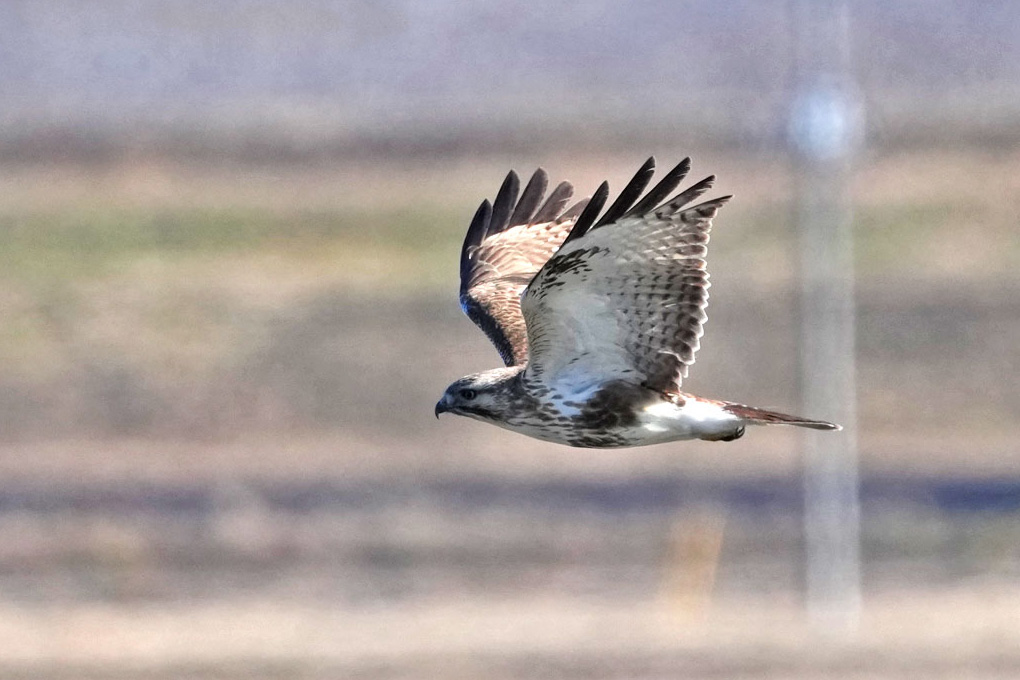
{"type": "Point", "coordinates": [758, 416]}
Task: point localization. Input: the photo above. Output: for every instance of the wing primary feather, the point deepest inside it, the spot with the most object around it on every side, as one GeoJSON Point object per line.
{"type": "Point", "coordinates": [530, 199]}
{"type": "Point", "coordinates": [553, 205]}
{"type": "Point", "coordinates": [475, 234]}
{"type": "Point", "coordinates": [630, 193]}
{"type": "Point", "coordinates": [588, 215]}
{"type": "Point", "coordinates": [573, 211]}
{"type": "Point", "coordinates": [504, 203]}
{"type": "Point", "coordinates": [661, 191]}
{"type": "Point", "coordinates": [713, 204]}
{"type": "Point", "coordinates": [688, 195]}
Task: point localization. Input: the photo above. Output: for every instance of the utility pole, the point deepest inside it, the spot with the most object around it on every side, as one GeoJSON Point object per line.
{"type": "Point", "coordinates": [825, 125]}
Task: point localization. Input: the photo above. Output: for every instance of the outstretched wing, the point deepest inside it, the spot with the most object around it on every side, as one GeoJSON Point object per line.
{"type": "Point", "coordinates": [624, 298]}
{"type": "Point", "coordinates": [506, 244]}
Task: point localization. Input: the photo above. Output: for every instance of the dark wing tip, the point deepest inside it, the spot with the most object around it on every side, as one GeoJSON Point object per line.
{"type": "Point", "coordinates": [591, 211]}
{"type": "Point", "coordinates": [553, 206]}
{"type": "Point", "coordinates": [573, 211]}
{"type": "Point", "coordinates": [707, 208]}
{"type": "Point", "coordinates": [630, 193]}
{"type": "Point", "coordinates": [504, 203]}
{"type": "Point", "coordinates": [474, 237]}
{"type": "Point", "coordinates": [662, 190]}
{"type": "Point", "coordinates": [530, 199]}
{"type": "Point", "coordinates": [686, 196]}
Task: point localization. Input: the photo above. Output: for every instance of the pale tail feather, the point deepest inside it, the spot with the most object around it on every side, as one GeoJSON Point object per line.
{"type": "Point", "coordinates": [760, 416]}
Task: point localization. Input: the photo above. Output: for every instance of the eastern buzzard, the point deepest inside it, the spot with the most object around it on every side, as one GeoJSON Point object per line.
{"type": "Point", "coordinates": [597, 318]}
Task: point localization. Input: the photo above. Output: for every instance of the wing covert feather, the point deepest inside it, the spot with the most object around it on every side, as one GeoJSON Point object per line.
{"type": "Point", "coordinates": [507, 243]}
{"type": "Point", "coordinates": [625, 300]}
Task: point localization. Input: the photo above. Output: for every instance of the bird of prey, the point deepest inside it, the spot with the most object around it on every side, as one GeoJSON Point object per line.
{"type": "Point", "coordinates": [597, 315]}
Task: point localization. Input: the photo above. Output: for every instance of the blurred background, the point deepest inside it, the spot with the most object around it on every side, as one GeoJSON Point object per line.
{"type": "Point", "coordinates": [229, 232]}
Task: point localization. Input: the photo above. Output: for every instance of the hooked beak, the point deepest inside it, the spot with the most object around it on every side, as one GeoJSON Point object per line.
{"type": "Point", "coordinates": [442, 406]}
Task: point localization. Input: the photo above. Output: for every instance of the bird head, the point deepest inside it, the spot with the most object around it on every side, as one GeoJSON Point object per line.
{"type": "Point", "coordinates": [483, 396]}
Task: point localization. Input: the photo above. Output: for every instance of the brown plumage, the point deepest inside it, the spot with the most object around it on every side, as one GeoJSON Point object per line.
{"type": "Point", "coordinates": [597, 318]}
{"type": "Point", "coordinates": [503, 251]}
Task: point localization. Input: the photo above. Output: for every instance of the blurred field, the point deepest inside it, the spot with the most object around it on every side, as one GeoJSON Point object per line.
{"type": "Point", "coordinates": [144, 299]}
{"type": "Point", "coordinates": [228, 243]}
{"type": "Point", "coordinates": [497, 638]}
{"type": "Point", "coordinates": [220, 461]}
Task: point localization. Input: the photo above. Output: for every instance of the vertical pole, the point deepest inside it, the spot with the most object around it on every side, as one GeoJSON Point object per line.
{"type": "Point", "coordinates": [825, 126]}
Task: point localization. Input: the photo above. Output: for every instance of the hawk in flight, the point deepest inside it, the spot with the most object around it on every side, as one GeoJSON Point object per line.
{"type": "Point", "coordinates": [597, 315]}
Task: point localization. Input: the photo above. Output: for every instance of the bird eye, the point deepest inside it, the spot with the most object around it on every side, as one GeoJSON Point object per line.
{"type": "Point", "coordinates": [468, 395]}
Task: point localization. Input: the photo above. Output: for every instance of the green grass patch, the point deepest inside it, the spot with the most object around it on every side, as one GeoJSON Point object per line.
{"type": "Point", "coordinates": [52, 248]}
{"type": "Point", "coordinates": [39, 247]}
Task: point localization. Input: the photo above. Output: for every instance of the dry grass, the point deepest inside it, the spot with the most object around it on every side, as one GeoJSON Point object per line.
{"type": "Point", "coordinates": [140, 298]}
{"type": "Point", "coordinates": [956, 634]}
{"type": "Point", "coordinates": [174, 334]}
